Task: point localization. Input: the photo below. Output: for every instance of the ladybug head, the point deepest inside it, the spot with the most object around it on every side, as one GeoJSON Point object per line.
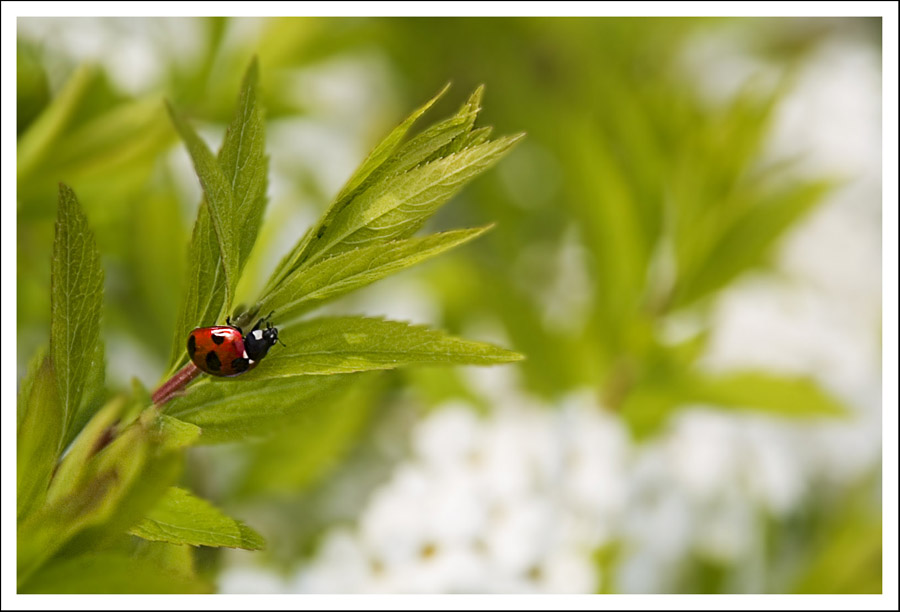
{"type": "Point", "coordinates": [258, 341]}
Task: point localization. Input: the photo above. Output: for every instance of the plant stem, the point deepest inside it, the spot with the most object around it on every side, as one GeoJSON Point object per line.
{"type": "Point", "coordinates": [174, 385]}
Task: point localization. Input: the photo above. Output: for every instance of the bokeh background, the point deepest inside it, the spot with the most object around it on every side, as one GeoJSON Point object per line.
{"type": "Point", "coordinates": [687, 250]}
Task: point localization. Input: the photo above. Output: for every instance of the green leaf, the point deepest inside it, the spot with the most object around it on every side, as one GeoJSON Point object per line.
{"type": "Point", "coordinates": [397, 208]}
{"type": "Point", "coordinates": [176, 433]}
{"type": "Point", "coordinates": [181, 518]}
{"type": "Point", "coordinates": [746, 240]}
{"type": "Point", "coordinates": [375, 159]}
{"type": "Point", "coordinates": [330, 278]}
{"type": "Point", "coordinates": [99, 497]}
{"type": "Point", "coordinates": [383, 151]}
{"type": "Point", "coordinates": [227, 412]}
{"type": "Point", "coordinates": [205, 287]}
{"type": "Point", "coordinates": [650, 405]}
{"type": "Point", "coordinates": [32, 87]}
{"type": "Point", "coordinates": [107, 572]}
{"type": "Point", "coordinates": [219, 199]}
{"type": "Point", "coordinates": [239, 174]}
{"type": "Point", "coordinates": [37, 435]}
{"type": "Point", "coordinates": [355, 344]}
{"type": "Point", "coordinates": [398, 188]}
{"type": "Point", "coordinates": [76, 297]}
{"type": "Point", "coordinates": [45, 130]}
{"type": "Point", "coordinates": [95, 395]}
{"type": "Point", "coordinates": [437, 141]}
{"type": "Point", "coordinates": [244, 162]}
{"type": "Point", "coordinates": [97, 433]}
{"type": "Point", "coordinates": [307, 448]}
{"type": "Point", "coordinates": [764, 392]}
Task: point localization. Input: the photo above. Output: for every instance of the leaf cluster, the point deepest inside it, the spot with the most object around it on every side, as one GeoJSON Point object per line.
{"type": "Point", "coordinates": [97, 506]}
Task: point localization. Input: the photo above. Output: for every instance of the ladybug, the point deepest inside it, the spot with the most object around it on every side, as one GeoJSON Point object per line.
{"type": "Point", "coordinates": [224, 350]}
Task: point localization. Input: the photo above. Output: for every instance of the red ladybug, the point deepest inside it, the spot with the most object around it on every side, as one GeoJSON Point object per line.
{"type": "Point", "coordinates": [223, 350]}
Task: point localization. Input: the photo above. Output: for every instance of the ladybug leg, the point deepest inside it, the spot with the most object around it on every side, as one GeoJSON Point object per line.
{"type": "Point", "coordinates": [228, 323]}
{"type": "Point", "coordinates": [265, 320]}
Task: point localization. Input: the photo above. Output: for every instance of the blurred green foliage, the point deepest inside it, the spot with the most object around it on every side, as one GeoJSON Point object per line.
{"type": "Point", "coordinates": [658, 194]}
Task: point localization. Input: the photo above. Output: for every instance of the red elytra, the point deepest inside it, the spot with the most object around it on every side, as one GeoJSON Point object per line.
{"type": "Point", "coordinates": [219, 351]}
{"type": "Point", "coordinates": [223, 350]}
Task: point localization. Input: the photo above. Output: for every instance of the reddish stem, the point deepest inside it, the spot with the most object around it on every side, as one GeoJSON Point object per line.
{"type": "Point", "coordinates": [179, 381]}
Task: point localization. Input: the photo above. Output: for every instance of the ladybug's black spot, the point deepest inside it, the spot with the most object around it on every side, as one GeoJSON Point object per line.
{"type": "Point", "coordinates": [240, 364]}
{"type": "Point", "coordinates": [212, 361]}
{"type": "Point", "coordinates": [192, 346]}
{"type": "Point", "coordinates": [218, 339]}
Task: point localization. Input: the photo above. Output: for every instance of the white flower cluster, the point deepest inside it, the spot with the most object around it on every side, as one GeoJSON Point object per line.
{"type": "Point", "coordinates": [514, 502]}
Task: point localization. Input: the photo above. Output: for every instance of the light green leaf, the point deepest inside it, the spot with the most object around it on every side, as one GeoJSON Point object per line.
{"type": "Point", "coordinates": [746, 240]}
{"type": "Point", "coordinates": [397, 208]}
{"type": "Point", "coordinates": [46, 129]}
{"type": "Point", "coordinates": [111, 572]}
{"type": "Point", "coordinates": [176, 433]}
{"type": "Point", "coordinates": [648, 407]}
{"type": "Point", "coordinates": [330, 278]}
{"type": "Point", "coordinates": [219, 199]}
{"type": "Point", "coordinates": [231, 410]}
{"type": "Point", "coordinates": [37, 436]}
{"type": "Point", "coordinates": [33, 374]}
{"type": "Point", "coordinates": [785, 396]}
{"type": "Point", "coordinates": [98, 432]}
{"type": "Point", "coordinates": [384, 150]}
{"type": "Point", "coordinates": [76, 297]}
{"type": "Point", "coordinates": [437, 141]}
{"type": "Point", "coordinates": [355, 344]}
{"type": "Point", "coordinates": [101, 497]}
{"type": "Point", "coordinates": [375, 159]}
{"type": "Point", "coordinates": [181, 518]}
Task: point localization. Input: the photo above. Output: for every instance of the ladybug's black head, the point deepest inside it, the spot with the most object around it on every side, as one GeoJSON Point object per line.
{"type": "Point", "coordinates": [258, 341]}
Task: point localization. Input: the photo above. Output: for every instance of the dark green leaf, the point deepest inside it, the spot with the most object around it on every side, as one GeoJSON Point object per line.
{"type": "Point", "coordinates": [181, 518]}
{"type": "Point", "coordinates": [305, 449]}
{"type": "Point", "coordinates": [243, 160]}
{"type": "Point", "coordinates": [219, 198]}
{"type": "Point", "coordinates": [335, 276]}
{"type": "Point", "coordinates": [355, 344]}
{"type": "Point", "coordinates": [228, 411]}
{"type": "Point", "coordinates": [205, 287]}
{"type": "Point", "coordinates": [32, 87]}
{"type": "Point", "coordinates": [239, 176]}
{"type": "Point", "coordinates": [76, 296]}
